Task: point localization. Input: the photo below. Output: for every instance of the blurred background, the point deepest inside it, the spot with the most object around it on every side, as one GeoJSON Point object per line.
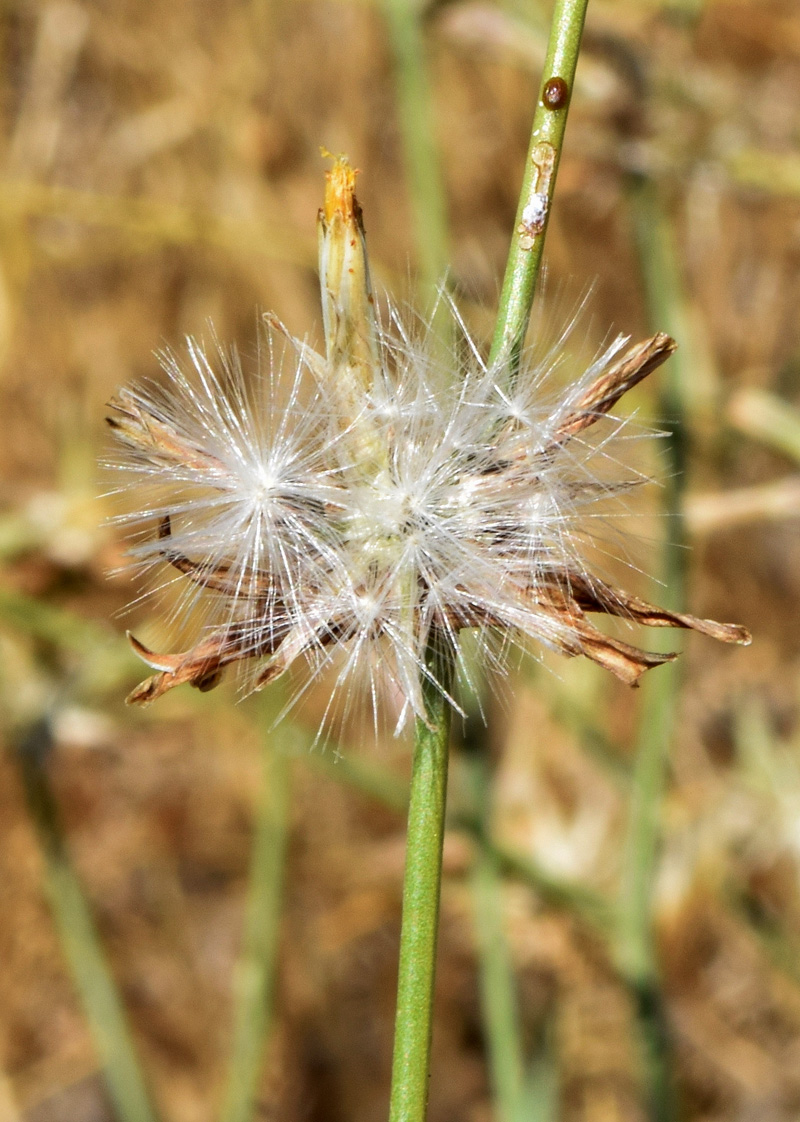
{"type": "Point", "coordinates": [185, 893]}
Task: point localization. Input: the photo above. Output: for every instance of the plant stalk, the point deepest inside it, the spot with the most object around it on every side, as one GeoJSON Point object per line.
{"type": "Point", "coordinates": [659, 695]}
{"type": "Point", "coordinates": [495, 966]}
{"type": "Point", "coordinates": [255, 982]}
{"type": "Point", "coordinates": [415, 111]}
{"type": "Point", "coordinates": [80, 941]}
{"type": "Point", "coordinates": [538, 184]}
{"type": "Point", "coordinates": [421, 890]}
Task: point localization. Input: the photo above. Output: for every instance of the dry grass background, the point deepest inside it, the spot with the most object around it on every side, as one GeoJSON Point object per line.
{"type": "Point", "coordinates": [160, 167]}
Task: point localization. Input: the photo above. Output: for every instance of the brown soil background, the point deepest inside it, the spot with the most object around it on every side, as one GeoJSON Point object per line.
{"type": "Point", "coordinates": [160, 169]}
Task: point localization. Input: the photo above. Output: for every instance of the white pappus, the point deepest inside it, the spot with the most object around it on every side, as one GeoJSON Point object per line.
{"type": "Point", "coordinates": [355, 507]}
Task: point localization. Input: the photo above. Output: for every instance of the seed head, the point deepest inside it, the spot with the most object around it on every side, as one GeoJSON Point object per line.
{"type": "Point", "coordinates": [348, 508]}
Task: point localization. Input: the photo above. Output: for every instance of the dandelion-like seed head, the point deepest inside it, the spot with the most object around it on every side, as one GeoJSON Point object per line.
{"type": "Point", "coordinates": [354, 507]}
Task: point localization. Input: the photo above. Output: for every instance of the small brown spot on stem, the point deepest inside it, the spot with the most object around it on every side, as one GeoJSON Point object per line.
{"type": "Point", "coordinates": [555, 94]}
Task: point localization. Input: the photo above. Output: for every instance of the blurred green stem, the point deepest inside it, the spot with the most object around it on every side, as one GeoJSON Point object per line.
{"type": "Point", "coordinates": [151, 221]}
{"type": "Point", "coordinates": [255, 982]}
{"type": "Point", "coordinates": [767, 418]}
{"type": "Point", "coordinates": [496, 972]}
{"type": "Point", "coordinates": [496, 978]}
{"type": "Point", "coordinates": [638, 960]}
{"type": "Point", "coordinates": [538, 185]}
{"type": "Point", "coordinates": [658, 700]}
{"type": "Point", "coordinates": [100, 664]}
{"type": "Point", "coordinates": [376, 782]}
{"type": "Point", "coordinates": [426, 191]}
{"type": "Point", "coordinates": [79, 939]}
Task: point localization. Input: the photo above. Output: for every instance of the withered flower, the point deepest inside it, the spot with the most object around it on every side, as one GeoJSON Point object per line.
{"type": "Point", "coordinates": [367, 498]}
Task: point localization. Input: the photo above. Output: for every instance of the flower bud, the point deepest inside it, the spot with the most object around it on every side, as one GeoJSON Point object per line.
{"type": "Point", "coordinates": [348, 306]}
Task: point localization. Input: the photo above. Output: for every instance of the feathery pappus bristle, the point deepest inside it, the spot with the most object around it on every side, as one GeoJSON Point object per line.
{"type": "Point", "coordinates": [351, 508]}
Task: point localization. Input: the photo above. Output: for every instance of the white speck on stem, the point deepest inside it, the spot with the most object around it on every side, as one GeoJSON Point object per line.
{"type": "Point", "coordinates": [535, 212]}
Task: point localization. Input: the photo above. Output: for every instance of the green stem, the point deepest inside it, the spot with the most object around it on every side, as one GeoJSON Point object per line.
{"type": "Point", "coordinates": [376, 782]}
{"type": "Point", "coordinates": [256, 971]}
{"type": "Point", "coordinates": [639, 963]}
{"type": "Point", "coordinates": [538, 184]}
{"type": "Point", "coordinates": [144, 222]}
{"type": "Point", "coordinates": [426, 191]}
{"type": "Point", "coordinates": [496, 971]}
{"type": "Point", "coordinates": [499, 1012]}
{"type": "Point", "coordinates": [102, 664]}
{"type": "Point", "coordinates": [659, 695]}
{"type": "Point", "coordinates": [421, 889]}
{"type": "Point", "coordinates": [765, 417]}
{"type": "Point", "coordinates": [80, 942]}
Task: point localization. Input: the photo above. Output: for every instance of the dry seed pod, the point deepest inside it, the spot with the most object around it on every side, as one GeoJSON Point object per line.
{"type": "Point", "coordinates": [389, 503]}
